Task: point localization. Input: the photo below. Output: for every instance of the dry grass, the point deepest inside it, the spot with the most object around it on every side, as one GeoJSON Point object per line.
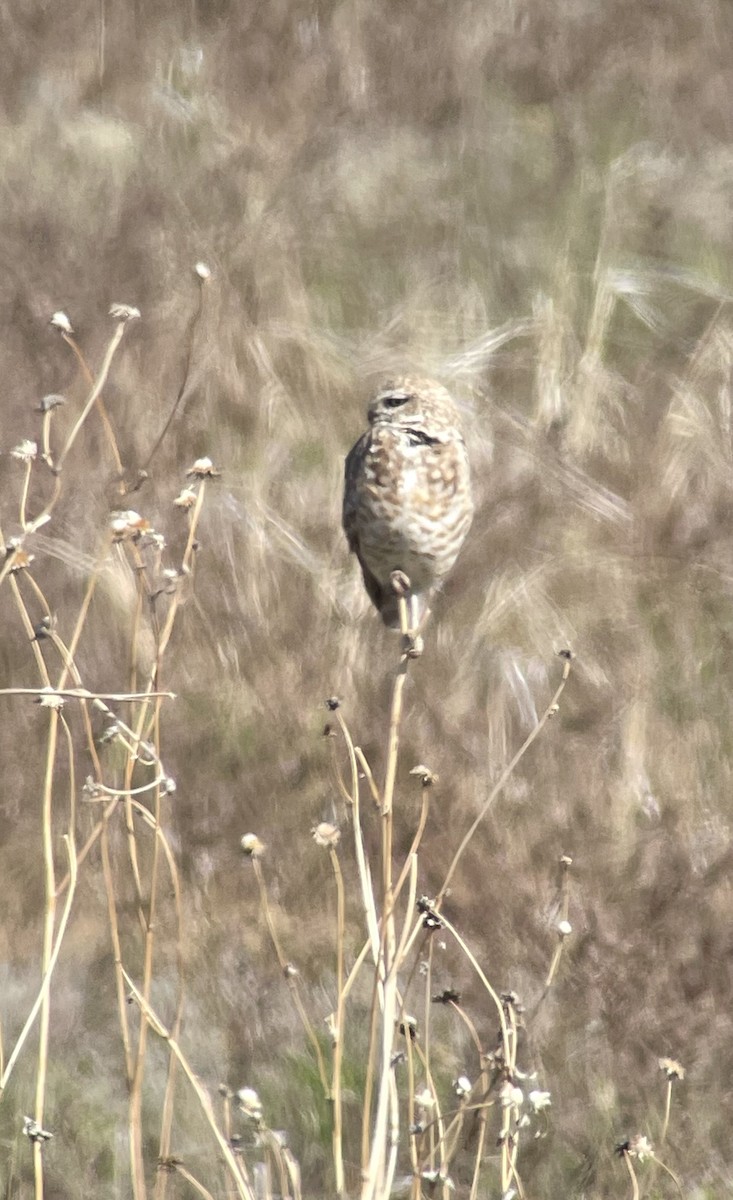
{"type": "Point", "coordinates": [532, 204]}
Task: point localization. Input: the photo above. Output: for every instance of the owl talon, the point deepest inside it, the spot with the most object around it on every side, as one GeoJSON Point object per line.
{"type": "Point", "coordinates": [412, 645]}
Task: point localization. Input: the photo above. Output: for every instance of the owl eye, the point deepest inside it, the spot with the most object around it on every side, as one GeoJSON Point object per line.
{"type": "Point", "coordinates": [396, 400]}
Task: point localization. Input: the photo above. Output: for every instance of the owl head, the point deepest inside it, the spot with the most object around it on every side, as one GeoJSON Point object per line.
{"type": "Point", "coordinates": [415, 404]}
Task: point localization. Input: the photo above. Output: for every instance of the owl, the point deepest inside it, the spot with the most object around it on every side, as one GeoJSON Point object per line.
{"type": "Point", "coordinates": [407, 494]}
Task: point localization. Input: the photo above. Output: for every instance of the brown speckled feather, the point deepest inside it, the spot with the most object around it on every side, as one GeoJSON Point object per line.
{"type": "Point", "coordinates": [407, 494]}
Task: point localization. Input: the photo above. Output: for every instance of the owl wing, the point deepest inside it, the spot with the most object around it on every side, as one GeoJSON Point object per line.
{"type": "Point", "coordinates": [353, 470]}
{"type": "Point", "coordinates": [353, 478]}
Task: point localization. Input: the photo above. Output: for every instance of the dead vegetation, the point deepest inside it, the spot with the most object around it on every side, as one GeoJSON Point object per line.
{"type": "Point", "coordinates": [532, 205]}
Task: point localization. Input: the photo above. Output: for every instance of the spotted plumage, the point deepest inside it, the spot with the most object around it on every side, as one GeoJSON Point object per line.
{"type": "Point", "coordinates": [407, 495]}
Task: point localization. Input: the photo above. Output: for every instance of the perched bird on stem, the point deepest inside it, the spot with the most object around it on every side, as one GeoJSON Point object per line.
{"type": "Point", "coordinates": [407, 494]}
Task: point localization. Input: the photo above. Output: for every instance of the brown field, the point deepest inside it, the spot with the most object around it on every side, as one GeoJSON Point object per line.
{"type": "Point", "coordinates": [532, 202]}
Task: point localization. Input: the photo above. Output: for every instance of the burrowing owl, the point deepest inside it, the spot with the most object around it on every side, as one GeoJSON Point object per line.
{"type": "Point", "coordinates": [407, 494]}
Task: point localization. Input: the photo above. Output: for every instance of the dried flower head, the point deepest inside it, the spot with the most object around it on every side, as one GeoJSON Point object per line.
{"type": "Point", "coordinates": [539, 1100]}
{"type": "Point", "coordinates": [202, 271]}
{"type": "Point", "coordinates": [408, 1026]}
{"type": "Point", "coordinates": [252, 846]}
{"type": "Point", "coordinates": [431, 919]}
{"type": "Point", "coordinates": [425, 1099]}
{"type": "Point", "coordinates": [462, 1086]}
{"type": "Point", "coordinates": [434, 1177]}
{"type": "Point", "coordinates": [447, 996]}
{"type": "Point", "coordinates": [186, 498]}
{"type": "Point", "coordinates": [47, 403]}
{"type": "Point", "coordinates": [333, 703]}
{"type": "Point", "coordinates": [637, 1146]}
{"type": "Point", "coordinates": [26, 451]}
{"type": "Point", "coordinates": [128, 524]}
{"type": "Point", "coordinates": [564, 928]}
{"type": "Point", "coordinates": [203, 468]}
{"type": "Point", "coordinates": [124, 312]}
{"type": "Point", "coordinates": [250, 1103]}
{"type": "Point", "coordinates": [21, 558]}
{"type": "Point", "coordinates": [672, 1069]}
{"type": "Point", "coordinates": [59, 320]}
{"type": "Point", "coordinates": [326, 834]}
{"type": "Point", "coordinates": [510, 1094]}
{"type": "Point", "coordinates": [425, 775]}
{"type": "Point", "coordinates": [50, 699]}
{"type": "Point", "coordinates": [34, 1132]}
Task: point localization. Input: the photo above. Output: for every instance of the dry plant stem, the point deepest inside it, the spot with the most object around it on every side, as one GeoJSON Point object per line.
{"type": "Point", "coordinates": [427, 1031]}
{"type": "Point", "coordinates": [483, 1124]}
{"type": "Point", "coordinates": [139, 1069]}
{"type": "Point", "coordinates": [28, 627]}
{"type": "Point", "coordinates": [24, 495]}
{"type": "Point", "coordinates": [667, 1110]}
{"type": "Point", "coordinates": [101, 409]}
{"type": "Point", "coordinates": [197, 1187]}
{"type": "Point", "coordinates": [367, 772]}
{"type": "Point", "coordinates": [369, 1077]}
{"type": "Point", "coordinates": [378, 1170]}
{"type": "Point", "coordinates": [417, 838]}
{"type": "Point", "coordinates": [81, 693]}
{"type": "Point", "coordinates": [186, 373]}
{"type": "Point", "coordinates": [167, 1115]}
{"type": "Point", "coordinates": [658, 1162]}
{"type": "Point", "coordinates": [564, 914]}
{"type": "Point", "coordinates": [46, 981]}
{"type": "Point", "coordinates": [167, 629]}
{"type": "Point", "coordinates": [412, 893]}
{"type": "Point", "coordinates": [367, 891]}
{"type": "Point", "coordinates": [505, 1034]}
{"type": "Point", "coordinates": [148, 926]}
{"type": "Point", "coordinates": [436, 1144]}
{"type": "Point", "coordinates": [338, 1050]}
{"type": "Point", "coordinates": [96, 389]}
{"type": "Point", "coordinates": [69, 668]}
{"type": "Point", "coordinates": [49, 920]}
{"type": "Point", "coordinates": [114, 930]}
{"type": "Point", "coordinates": [510, 1112]}
{"type": "Point", "coordinates": [632, 1174]}
{"type": "Point", "coordinates": [413, 1141]}
{"type": "Point", "coordinates": [46, 439]}
{"type": "Point", "coordinates": [84, 609]}
{"type": "Point", "coordinates": [290, 978]}
{"type": "Point", "coordinates": [506, 773]}
{"type": "Point", "coordinates": [243, 1189]}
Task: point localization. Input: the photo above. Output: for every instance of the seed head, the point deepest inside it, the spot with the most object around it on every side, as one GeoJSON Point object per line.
{"type": "Point", "coordinates": [59, 320]}
{"type": "Point", "coordinates": [186, 498]}
{"type": "Point", "coordinates": [26, 451]}
{"type": "Point", "coordinates": [46, 403]}
{"type": "Point", "coordinates": [252, 846]}
{"type": "Point", "coordinates": [672, 1069]}
{"type": "Point", "coordinates": [124, 312]}
{"type": "Point", "coordinates": [203, 468]}
{"type": "Point", "coordinates": [250, 1103]}
{"type": "Point", "coordinates": [326, 834]}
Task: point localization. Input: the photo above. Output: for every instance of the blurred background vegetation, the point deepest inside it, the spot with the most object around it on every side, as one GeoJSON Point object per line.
{"type": "Point", "coordinates": [531, 201]}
